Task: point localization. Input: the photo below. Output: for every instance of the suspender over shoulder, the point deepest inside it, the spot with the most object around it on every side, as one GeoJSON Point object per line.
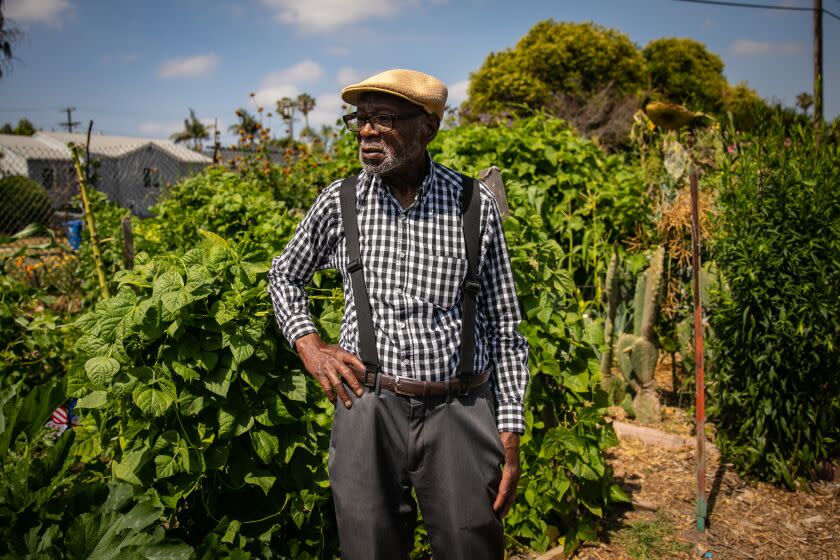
{"type": "Point", "coordinates": [472, 285]}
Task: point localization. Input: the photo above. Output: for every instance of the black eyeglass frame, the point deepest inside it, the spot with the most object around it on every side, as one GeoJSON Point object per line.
{"type": "Point", "coordinates": [360, 123]}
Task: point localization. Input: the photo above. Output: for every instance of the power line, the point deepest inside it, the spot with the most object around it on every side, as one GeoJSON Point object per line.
{"type": "Point", "coordinates": [69, 123]}
{"type": "Point", "coordinates": [761, 6]}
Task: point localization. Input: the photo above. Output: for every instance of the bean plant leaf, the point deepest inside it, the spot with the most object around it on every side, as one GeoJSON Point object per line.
{"type": "Point", "coordinates": [101, 369]}
{"type": "Point", "coordinates": [153, 401]}
{"type": "Point", "coordinates": [265, 444]}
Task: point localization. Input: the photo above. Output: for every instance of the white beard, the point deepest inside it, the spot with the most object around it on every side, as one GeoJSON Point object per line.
{"type": "Point", "coordinates": [389, 163]}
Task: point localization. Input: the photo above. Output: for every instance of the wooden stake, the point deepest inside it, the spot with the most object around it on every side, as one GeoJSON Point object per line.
{"type": "Point", "coordinates": [700, 394]}
{"type": "Point", "coordinates": [94, 242]}
{"type": "Point", "coordinates": [128, 243]}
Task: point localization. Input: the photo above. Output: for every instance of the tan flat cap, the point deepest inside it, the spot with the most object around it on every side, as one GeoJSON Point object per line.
{"type": "Point", "coordinates": [417, 87]}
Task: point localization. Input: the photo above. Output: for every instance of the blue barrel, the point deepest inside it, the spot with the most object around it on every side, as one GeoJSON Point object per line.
{"type": "Point", "coordinates": [74, 234]}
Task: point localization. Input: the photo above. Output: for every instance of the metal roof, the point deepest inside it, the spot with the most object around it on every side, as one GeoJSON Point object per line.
{"type": "Point", "coordinates": [53, 145]}
{"type": "Point", "coordinates": [30, 147]}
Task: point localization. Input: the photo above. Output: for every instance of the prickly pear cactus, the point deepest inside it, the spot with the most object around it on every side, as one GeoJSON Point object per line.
{"type": "Point", "coordinates": [637, 355]}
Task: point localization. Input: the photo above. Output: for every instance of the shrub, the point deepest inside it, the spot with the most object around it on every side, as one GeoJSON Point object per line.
{"type": "Point", "coordinates": [185, 369]}
{"type": "Point", "coordinates": [588, 200]}
{"type": "Point", "coordinates": [222, 202]}
{"type": "Point", "coordinates": [777, 322]}
{"type": "Point", "coordinates": [22, 202]}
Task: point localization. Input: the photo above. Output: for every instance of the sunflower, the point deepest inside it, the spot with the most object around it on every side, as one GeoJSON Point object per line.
{"type": "Point", "coordinates": [669, 116]}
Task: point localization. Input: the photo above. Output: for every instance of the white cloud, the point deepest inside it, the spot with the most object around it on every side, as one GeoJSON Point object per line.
{"type": "Point", "coordinates": [287, 83]}
{"type": "Point", "coordinates": [189, 67]}
{"type": "Point", "coordinates": [164, 129]}
{"type": "Point", "coordinates": [747, 47]}
{"type": "Point", "coordinates": [327, 15]}
{"type": "Point", "coordinates": [304, 71]}
{"type": "Point", "coordinates": [327, 110]}
{"type": "Point", "coordinates": [347, 75]}
{"type": "Point", "coordinates": [268, 96]}
{"type": "Point", "coordinates": [36, 11]}
{"type": "Point", "coordinates": [457, 93]}
{"type": "Point", "coordinates": [160, 129]}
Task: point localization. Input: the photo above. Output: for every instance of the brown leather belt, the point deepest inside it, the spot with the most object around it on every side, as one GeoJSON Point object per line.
{"type": "Point", "coordinates": [415, 388]}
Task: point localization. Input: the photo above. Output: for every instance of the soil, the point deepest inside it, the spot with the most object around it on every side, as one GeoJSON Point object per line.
{"type": "Point", "coordinates": [746, 519]}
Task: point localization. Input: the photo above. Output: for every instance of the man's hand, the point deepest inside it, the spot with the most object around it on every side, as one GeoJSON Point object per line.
{"type": "Point", "coordinates": [328, 364]}
{"type": "Point", "coordinates": [510, 474]}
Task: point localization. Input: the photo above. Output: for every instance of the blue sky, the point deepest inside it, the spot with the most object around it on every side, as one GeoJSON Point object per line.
{"type": "Point", "coordinates": [136, 68]}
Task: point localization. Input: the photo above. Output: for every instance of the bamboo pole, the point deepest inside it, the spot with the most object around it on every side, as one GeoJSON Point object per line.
{"type": "Point", "coordinates": [700, 393]}
{"type": "Point", "coordinates": [94, 242]}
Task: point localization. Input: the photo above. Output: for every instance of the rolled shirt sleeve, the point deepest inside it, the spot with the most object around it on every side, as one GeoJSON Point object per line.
{"type": "Point", "coordinates": [508, 348]}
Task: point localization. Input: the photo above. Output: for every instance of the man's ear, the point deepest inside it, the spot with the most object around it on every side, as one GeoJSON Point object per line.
{"type": "Point", "coordinates": [431, 125]}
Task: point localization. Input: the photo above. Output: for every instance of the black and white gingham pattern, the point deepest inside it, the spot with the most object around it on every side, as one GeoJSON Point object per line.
{"type": "Point", "coordinates": [414, 264]}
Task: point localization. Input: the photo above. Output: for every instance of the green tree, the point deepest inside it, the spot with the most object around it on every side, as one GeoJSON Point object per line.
{"type": "Point", "coordinates": [194, 130]}
{"type": "Point", "coordinates": [9, 34]}
{"type": "Point", "coordinates": [804, 101]}
{"type": "Point", "coordinates": [747, 108]}
{"type": "Point", "coordinates": [248, 125]}
{"type": "Point", "coordinates": [24, 128]}
{"type": "Point", "coordinates": [305, 104]}
{"type": "Point", "coordinates": [556, 59]}
{"type": "Point", "coordinates": [685, 71]}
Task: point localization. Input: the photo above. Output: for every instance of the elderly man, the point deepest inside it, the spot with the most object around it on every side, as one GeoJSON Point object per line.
{"type": "Point", "coordinates": [430, 369]}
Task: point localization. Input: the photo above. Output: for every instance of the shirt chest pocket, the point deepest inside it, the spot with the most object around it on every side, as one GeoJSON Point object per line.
{"type": "Point", "coordinates": [436, 279]}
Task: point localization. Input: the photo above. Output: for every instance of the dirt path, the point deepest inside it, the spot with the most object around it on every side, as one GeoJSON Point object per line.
{"type": "Point", "coordinates": [747, 520]}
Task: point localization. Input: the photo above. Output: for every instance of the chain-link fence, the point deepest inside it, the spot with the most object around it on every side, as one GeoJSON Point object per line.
{"type": "Point", "coordinates": [38, 182]}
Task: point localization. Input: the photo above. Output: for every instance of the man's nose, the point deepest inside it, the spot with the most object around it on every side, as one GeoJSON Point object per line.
{"type": "Point", "coordinates": [368, 130]}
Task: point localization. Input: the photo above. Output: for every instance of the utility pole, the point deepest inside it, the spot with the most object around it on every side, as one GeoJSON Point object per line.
{"type": "Point", "coordinates": [818, 63]}
{"type": "Point", "coordinates": [217, 144]}
{"type": "Point", "coordinates": [70, 123]}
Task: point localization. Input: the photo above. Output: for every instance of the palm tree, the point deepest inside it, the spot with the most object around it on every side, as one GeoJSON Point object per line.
{"type": "Point", "coordinates": [804, 101]}
{"type": "Point", "coordinates": [248, 125]}
{"type": "Point", "coordinates": [286, 109]}
{"type": "Point", "coordinates": [305, 104]}
{"type": "Point", "coordinates": [9, 35]}
{"type": "Point", "coordinates": [194, 130]}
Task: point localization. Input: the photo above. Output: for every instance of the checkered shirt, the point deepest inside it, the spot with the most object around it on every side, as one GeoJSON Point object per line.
{"type": "Point", "coordinates": [414, 265]}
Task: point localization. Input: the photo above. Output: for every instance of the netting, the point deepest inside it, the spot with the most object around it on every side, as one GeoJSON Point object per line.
{"type": "Point", "coordinates": [38, 182]}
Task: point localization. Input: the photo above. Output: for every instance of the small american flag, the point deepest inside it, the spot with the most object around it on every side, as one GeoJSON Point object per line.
{"type": "Point", "coordinates": [59, 415]}
{"type": "Point", "coordinates": [63, 417]}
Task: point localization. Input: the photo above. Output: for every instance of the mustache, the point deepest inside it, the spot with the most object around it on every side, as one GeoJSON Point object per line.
{"type": "Point", "coordinates": [375, 144]}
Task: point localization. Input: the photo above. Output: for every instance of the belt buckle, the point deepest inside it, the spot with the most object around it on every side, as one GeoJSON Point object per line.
{"type": "Point", "coordinates": [397, 390]}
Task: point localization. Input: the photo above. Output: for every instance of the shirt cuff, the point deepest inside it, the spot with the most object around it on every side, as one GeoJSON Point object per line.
{"type": "Point", "coordinates": [510, 417]}
{"type": "Point", "coordinates": [297, 327]}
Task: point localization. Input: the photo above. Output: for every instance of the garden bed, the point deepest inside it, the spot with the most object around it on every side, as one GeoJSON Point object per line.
{"type": "Point", "coordinates": [747, 520]}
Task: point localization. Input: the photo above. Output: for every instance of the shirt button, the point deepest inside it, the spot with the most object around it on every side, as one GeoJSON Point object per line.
{"type": "Point", "coordinates": [403, 217]}
{"type": "Point", "coordinates": [400, 325]}
{"type": "Point", "coordinates": [406, 361]}
{"type": "Point", "coordinates": [398, 290]}
{"type": "Point", "coordinates": [402, 254]}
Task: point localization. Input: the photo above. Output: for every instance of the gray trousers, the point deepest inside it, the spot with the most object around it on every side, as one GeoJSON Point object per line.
{"type": "Point", "coordinates": [449, 452]}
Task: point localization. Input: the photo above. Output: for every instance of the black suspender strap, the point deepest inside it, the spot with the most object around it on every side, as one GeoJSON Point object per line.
{"type": "Point", "coordinates": [472, 284]}
{"type": "Point", "coordinates": [367, 336]}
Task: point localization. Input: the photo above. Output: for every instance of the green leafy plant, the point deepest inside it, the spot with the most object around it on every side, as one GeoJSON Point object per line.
{"type": "Point", "coordinates": [222, 202]}
{"type": "Point", "coordinates": [23, 202]}
{"type": "Point", "coordinates": [588, 200]}
{"type": "Point", "coordinates": [566, 484]}
{"type": "Point", "coordinates": [183, 367]}
{"type": "Point", "coordinates": [777, 323]}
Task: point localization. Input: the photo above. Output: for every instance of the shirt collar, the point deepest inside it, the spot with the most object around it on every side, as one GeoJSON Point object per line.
{"type": "Point", "coordinates": [428, 184]}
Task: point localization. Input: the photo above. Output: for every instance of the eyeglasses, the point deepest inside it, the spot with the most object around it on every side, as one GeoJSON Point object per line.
{"type": "Point", "coordinates": [382, 122]}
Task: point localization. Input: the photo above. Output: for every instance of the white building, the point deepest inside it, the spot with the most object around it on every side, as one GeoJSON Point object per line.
{"type": "Point", "coordinates": [131, 171]}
